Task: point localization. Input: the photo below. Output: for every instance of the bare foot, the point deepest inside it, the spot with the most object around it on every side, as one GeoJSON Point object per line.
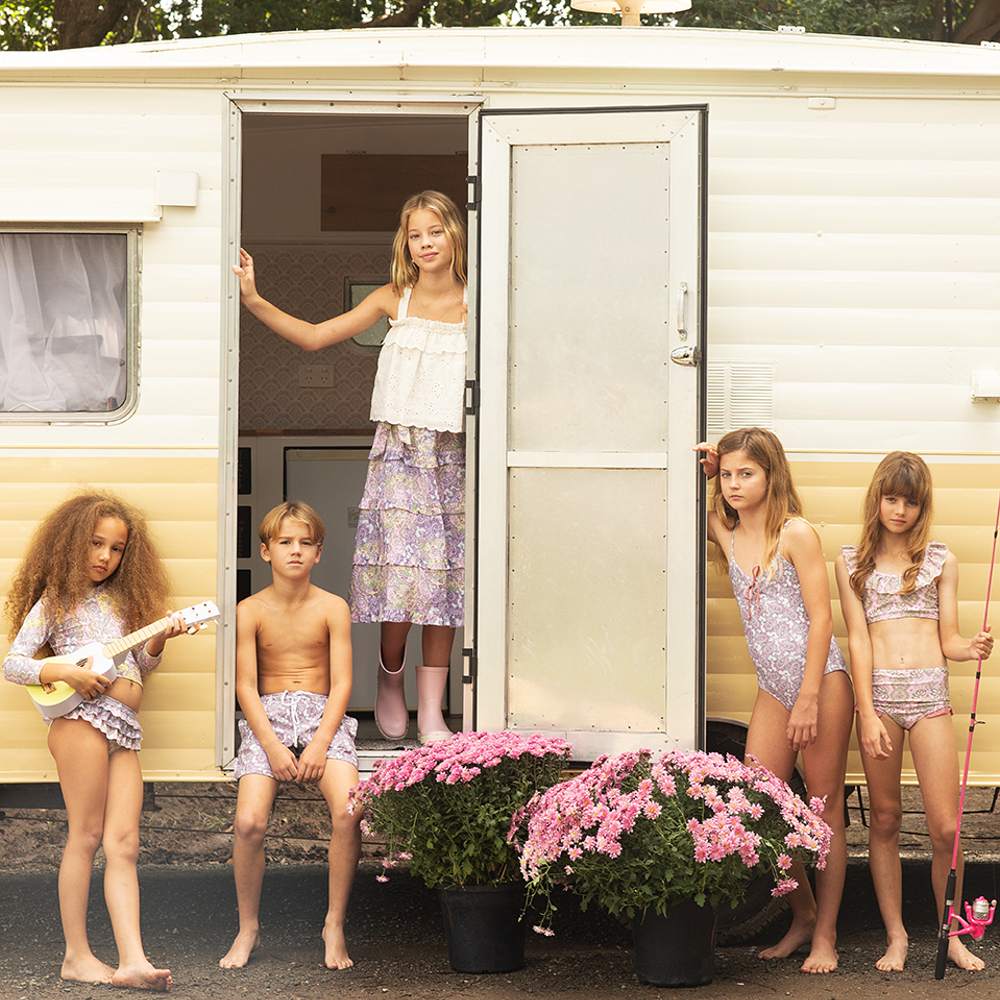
{"type": "Point", "coordinates": [87, 969]}
{"type": "Point", "coordinates": [336, 956]}
{"type": "Point", "coordinates": [143, 977]}
{"type": "Point", "coordinates": [964, 958]}
{"type": "Point", "coordinates": [240, 951]}
{"type": "Point", "coordinates": [797, 936]}
{"type": "Point", "coordinates": [894, 959]}
{"type": "Point", "coordinates": [822, 957]}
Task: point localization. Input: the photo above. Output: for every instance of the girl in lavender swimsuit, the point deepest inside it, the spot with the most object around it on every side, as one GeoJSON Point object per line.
{"type": "Point", "coordinates": [91, 574]}
{"type": "Point", "coordinates": [898, 591]}
{"type": "Point", "coordinates": [409, 552]}
{"type": "Point", "coordinates": [804, 702]}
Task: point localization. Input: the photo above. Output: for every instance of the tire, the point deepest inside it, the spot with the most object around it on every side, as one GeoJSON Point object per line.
{"type": "Point", "coordinates": [755, 913]}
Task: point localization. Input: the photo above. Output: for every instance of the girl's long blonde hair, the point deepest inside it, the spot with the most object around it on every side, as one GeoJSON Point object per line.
{"type": "Point", "coordinates": [901, 474]}
{"type": "Point", "coordinates": [55, 566]}
{"type": "Point", "coordinates": [403, 273]}
{"type": "Point", "coordinates": [781, 500]}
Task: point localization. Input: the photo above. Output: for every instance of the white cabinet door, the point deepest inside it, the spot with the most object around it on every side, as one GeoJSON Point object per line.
{"type": "Point", "coordinates": [587, 539]}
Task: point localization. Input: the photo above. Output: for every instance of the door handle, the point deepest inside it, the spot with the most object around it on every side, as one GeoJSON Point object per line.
{"type": "Point", "coordinates": [681, 314]}
{"type": "Point", "coordinates": [688, 354]}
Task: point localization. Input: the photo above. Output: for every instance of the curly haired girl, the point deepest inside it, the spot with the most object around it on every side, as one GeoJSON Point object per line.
{"type": "Point", "coordinates": [90, 574]}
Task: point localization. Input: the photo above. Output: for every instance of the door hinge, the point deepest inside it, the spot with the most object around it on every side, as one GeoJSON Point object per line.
{"type": "Point", "coordinates": [473, 193]}
{"type": "Point", "coordinates": [471, 398]}
{"type": "Point", "coordinates": [469, 655]}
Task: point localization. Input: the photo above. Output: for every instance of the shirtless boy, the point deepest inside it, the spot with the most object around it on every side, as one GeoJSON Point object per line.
{"type": "Point", "coordinates": [293, 681]}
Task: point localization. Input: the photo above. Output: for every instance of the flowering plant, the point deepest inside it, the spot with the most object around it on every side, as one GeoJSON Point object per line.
{"type": "Point", "coordinates": [638, 831]}
{"type": "Point", "coordinates": [445, 807]}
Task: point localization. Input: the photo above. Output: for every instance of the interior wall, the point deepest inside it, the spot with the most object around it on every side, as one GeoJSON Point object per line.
{"type": "Point", "coordinates": [309, 281]}
{"type": "Point", "coordinates": [304, 270]}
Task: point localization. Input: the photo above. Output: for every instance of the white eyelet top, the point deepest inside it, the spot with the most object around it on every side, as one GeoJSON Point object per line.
{"type": "Point", "coordinates": [421, 373]}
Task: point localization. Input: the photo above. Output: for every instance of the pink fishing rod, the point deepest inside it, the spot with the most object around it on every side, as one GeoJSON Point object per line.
{"type": "Point", "coordinates": [979, 915]}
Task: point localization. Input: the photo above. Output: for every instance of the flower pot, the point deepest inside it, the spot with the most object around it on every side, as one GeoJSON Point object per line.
{"type": "Point", "coordinates": [678, 949]}
{"type": "Point", "coordinates": [485, 932]}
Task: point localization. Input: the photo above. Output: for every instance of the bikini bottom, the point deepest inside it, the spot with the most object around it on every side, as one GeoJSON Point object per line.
{"type": "Point", "coordinates": [909, 694]}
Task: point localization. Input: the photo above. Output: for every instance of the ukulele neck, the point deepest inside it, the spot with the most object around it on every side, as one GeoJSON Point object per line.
{"type": "Point", "coordinates": [118, 646]}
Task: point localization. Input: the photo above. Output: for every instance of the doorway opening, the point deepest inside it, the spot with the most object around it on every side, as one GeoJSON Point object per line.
{"type": "Point", "coordinates": [319, 207]}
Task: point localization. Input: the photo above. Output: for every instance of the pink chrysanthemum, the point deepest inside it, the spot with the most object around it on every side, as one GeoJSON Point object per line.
{"type": "Point", "coordinates": [711, 821]}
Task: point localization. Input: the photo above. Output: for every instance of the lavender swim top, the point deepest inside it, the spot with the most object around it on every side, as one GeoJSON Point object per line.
{"type": "Point", "coordinates": [777, 627]}
{"type": "Point", "coordinates": [882, 600]}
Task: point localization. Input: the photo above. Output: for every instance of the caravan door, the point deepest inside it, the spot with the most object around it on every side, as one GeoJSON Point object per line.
{"type": "Point", "coordinates": [588, 543]}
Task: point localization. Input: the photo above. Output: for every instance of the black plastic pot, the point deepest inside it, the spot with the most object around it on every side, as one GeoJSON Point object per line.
{"type": "Point", "coordinates": [678, 949]}
{"type": "Point", "coordinates": [485, 932]}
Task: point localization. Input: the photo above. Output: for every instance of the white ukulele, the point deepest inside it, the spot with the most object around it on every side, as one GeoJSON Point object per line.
{"type": "Point", "coordinates": [54, 700]}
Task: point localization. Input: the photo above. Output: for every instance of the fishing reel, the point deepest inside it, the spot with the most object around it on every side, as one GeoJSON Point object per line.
{"type": "Point", "coordinates": [977, 918]}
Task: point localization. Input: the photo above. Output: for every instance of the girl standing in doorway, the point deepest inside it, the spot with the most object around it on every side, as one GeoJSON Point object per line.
{"type": "Point", "coordinates": [409, 552]}
{"type": "Point", "coordinates": [899, 592]}
{"type": "Point", "coordinates": [804, 700]}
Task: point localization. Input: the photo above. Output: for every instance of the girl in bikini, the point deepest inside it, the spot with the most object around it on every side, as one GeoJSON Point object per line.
{"type": "Point", "coordinates": [899, 594]}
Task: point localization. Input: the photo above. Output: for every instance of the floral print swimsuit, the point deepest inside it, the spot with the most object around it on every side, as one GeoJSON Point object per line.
{"type": "Point", "coordinates": [94, 620]}
{"type": "Point", "coordinates": [776, 626]}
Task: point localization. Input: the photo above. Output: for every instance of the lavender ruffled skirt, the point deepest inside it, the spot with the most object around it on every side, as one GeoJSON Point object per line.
{"type": "Point", "coordinates": [119, 724]}
{"type": "Point", "coordinates": [409, 554]}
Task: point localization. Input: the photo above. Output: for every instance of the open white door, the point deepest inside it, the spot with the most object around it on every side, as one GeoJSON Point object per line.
{"type": "Point", "coordinates": [587, 544]}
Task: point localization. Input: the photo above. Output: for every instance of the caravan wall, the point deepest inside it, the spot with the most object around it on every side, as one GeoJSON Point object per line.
{"type": "Point", "coordinates": [853, 292]}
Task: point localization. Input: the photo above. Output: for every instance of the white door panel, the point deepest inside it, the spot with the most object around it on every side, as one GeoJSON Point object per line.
{"type": "Point", "coordinates": [587, 536]}
{"type": "Point", "coordinates": [586, 600]}
{"type": "Point", "coordinates": [562, 334]}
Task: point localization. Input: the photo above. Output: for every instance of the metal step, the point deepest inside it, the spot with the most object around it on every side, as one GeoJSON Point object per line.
{"type": "Point", "coordinates": [370, 752]}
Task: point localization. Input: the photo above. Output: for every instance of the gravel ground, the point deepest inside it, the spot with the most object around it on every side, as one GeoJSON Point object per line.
{"type": "Point", "coordinates": [395, 930]}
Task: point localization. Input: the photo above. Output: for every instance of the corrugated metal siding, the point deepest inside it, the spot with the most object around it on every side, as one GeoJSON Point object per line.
{"type": "Point", "coordinates": [858, 252]}
{"type": "Point", "coordinates": [965, 498]}
{"type": "Point", "coordinates": [179, 497]}
{"type": "Point", "coordinates": [853, 249]}
{"type": "Point", "coordinates": [89, 154]}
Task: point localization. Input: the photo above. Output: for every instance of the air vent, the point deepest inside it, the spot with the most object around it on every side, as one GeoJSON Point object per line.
{"type": "Point", "coordinates": [739, 396]}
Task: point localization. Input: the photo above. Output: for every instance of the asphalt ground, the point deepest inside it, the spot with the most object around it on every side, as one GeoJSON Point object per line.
{"type": "Point", "coordinates": [395, 931]}
{"type": "Point", "coordinates": [396, 937]}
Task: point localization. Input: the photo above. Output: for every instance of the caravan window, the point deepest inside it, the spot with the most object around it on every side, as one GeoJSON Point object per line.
{"type": "Point", "coordinates": [67, 328]}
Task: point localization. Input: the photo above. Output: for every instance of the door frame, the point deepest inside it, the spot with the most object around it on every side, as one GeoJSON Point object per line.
{"type": "Point", "coordinates": [236, 102]}
{"type": "Point", "coordinates": [473, 636]}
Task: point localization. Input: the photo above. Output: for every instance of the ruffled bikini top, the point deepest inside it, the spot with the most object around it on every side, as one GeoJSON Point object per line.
{"type": "Point", "coordinates": [882, 600]}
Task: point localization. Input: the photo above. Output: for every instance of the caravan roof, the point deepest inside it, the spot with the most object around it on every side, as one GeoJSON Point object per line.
{"type": "Point", "coordinates": [487, 50]}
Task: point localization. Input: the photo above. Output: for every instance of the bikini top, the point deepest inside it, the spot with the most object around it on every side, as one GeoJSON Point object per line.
{"type": "Point", "coordinates": [882, 600]}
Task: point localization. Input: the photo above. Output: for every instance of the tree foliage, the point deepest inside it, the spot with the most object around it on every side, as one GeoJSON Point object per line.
{"type": "Point", "coordinates": [42, 24]}
{"type": "Point", "coordinates": [932, 20]}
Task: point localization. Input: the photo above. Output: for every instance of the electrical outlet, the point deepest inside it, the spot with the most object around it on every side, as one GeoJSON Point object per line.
{"type": "Point", "coordinates": [316, 377]}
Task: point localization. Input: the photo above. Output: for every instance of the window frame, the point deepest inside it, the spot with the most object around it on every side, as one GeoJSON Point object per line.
{"type": "Point", "coordinates": [357, 345]}
{"type": "Point", "coordinates": [133, 273]}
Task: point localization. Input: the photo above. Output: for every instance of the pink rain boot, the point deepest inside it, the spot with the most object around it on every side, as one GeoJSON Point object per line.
{"type": "Point", "coordinates": [431, 727]}
{"type": "Point", "coordinates": [391, 715]}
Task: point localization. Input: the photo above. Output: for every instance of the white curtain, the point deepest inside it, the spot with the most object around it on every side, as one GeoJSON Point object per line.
{"type": "Point", "coordinates": [62, 322]}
